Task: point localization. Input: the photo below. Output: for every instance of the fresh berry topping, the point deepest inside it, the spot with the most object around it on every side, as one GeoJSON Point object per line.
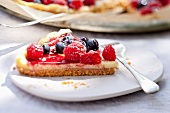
{"type": "Point", "coordinates": [85, 39]}
{"type": "Point", "coordinates": [37, 1]}
{"type": "Point", "coordinates": [109, 53]}
{"type": "Point", "coordinates": [53, 42]}
{"type": "Point", "coordinates": [165, 2]}
{"type": "Point", "coordinates": [146, 10]}
{"type": "Point", "coordinates": [60, 2]}
{"type": "Point", "coordinates": [46, 2]}
{"type": "Point", "coordinates": [46, 48]}
{"type": "Point", "coordinates": [140, 4]}
{"type": "Point", "coordinates": [66, 38]}
{"type": "Point", "coordinates": [29, 0]}
{"type": "Point", "coordinates": [68, 42]}
{"type": "Point", "coordinates": [134, 3]}
{"type": "Point", "coordinates": [148, 7]}
{"type": "Point", "coordinates": [92, 44]}
{"type": "Point", "coordinates": [155, 4]}
{"type": "Point", "coordinates": [60, 47]}
{"type": "Point", "coordinates": [89, 2]}
{"type": "Point", "coordinates": [75, 4]}
{"type": "Point", "coordinates": [73, 51]}
{"type": "Point", "coordinates": [92, 57]}
{"type": "Point", "coordinates": [69, 1]}
{"type": "Point", "coordinates": [72, 37]}
{"type": "Point", "coordinates": [52, 38]}
{"type": "Point", "coordinates": [83, 42]}
{"type": "Point", "coordinates": [137, 4]}
{"type": "Point", "coordinates": [34, 52]}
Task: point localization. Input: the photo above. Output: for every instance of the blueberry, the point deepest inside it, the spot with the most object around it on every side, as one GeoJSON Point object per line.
{"type": "Point", "coordinates": [92, 44]}
{"type": "Point", "coordinates": [66, 38]}
{"type": "Point", "coordinates": [140, 4]}
{"type": "Point", "coordinates": [69, 1]}
{"type": "Point", "coordinates": [85, 39]}
{"type": "Point", "coordinates": [68, 42]}
{"type": "Point", "coordinates": [37, 1]}
{"type": "Point", "coordinates": [60, 47]}
{"type": "Point", "coordinates": [46, 48]}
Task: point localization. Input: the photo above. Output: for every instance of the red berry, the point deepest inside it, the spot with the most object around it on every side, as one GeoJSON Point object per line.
{"type": "Point", "coordinates": [165, 2]}
{"type": "Point", "coordinates": [29, 0]}
{"type": "Point", "coordinates": [75, 4]}
{"type": "Point", "coordinates": [89, 2]}
{"type": "Point", "coordinates": [134, 3]}
{"type": "Point", "coordinates": [146, 10]}
{"type": "Point", "coordinates": [52, 38]}
{"type": "Point", "coordinates": [46, 2]}
{"type": "Point", "coordinates": [109, 53]}
{"type": "Point", "coordinates": [154, 4]}
{"type": "Point", "coordinates": [60, 2]}
{"type": "Point", "coordinates": [53, 42]}
{"type": "Point", "coordinates": [34, 52]}
{"type": "Point", "coordinates": [73, 51]}
{"type": "Point", "coordinates": [92, 57]}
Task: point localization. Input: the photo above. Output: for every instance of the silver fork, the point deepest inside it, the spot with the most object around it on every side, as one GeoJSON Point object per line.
{"type": "Point", "coordinates": [147, 85]}
{"type": "Point", "coordinates": [33, 22]}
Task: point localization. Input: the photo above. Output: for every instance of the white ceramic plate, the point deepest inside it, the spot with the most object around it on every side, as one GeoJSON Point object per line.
{"type": "Point", "coordinates": [88, 88]}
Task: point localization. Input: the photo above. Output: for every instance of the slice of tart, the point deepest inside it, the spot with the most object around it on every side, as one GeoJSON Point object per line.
{"type": "Point", "coordinates": [63, 54]}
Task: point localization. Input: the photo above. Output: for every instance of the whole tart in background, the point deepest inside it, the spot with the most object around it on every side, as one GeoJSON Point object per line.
{"type": "Point", "coordinates": [74, 6]}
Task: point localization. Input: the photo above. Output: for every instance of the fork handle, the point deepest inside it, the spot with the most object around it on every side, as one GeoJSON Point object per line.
{"type": "Point", "coordinates": [147, 85]}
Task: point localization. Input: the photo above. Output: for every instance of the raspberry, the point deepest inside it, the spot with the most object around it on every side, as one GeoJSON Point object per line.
{"type": "Point", "coordinates": [109, 53]}
{"type": "Point", "coordinates": [46, 2]}
{"type": "Point", "coordinates": [134, 3]}
{"type": "Point", "coordinates": [73, 51]}
{"type": "Point", "coordinates": [53, 42]}
{"type": "Point", "coordinates": [52, 38]}
{"type": "Point", "coordinates": [60, 2]}
{"type": "Point", "coordinates": [146, 10]}
{"type": "Point", "coordinates": [89, 2]}
{"type": "Point", "coordinates": [165, 2]}
{"type": "Point", "coordinates": [75, 4]}
{"type": "Point", "coordinates": [92, 57]}
{"type": "Point", "coordinates": [34, 52]}
{"type": "Point", "coordinates": [155, 4]}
